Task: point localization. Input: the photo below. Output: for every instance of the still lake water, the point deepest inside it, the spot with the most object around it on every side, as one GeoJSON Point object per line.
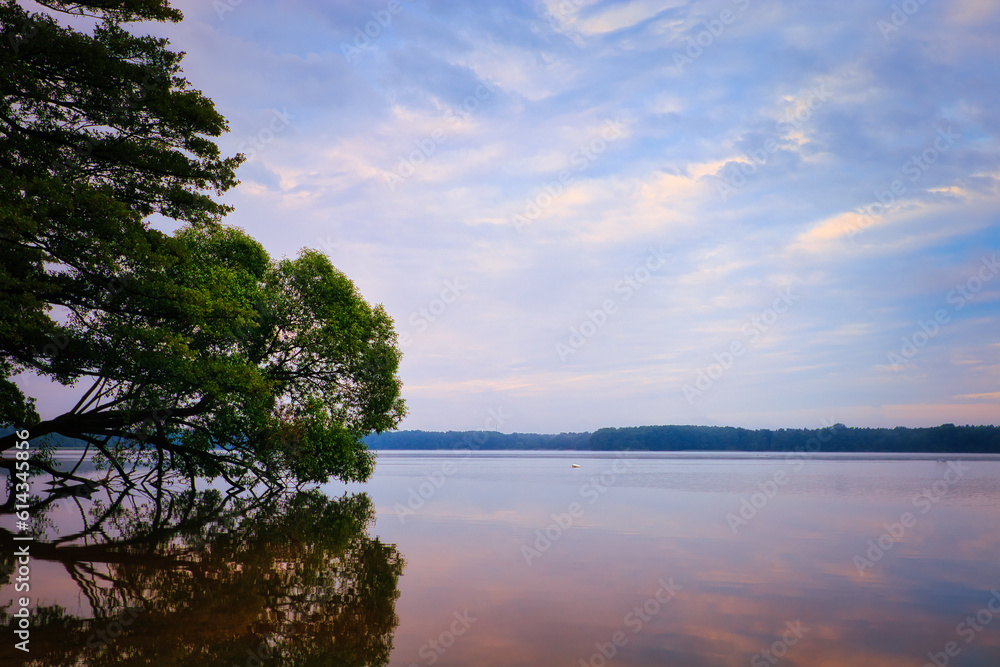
{"type": "Point", "coordinates": [517, 558]}
{"type": "Point", "coordinates": [664, 519]}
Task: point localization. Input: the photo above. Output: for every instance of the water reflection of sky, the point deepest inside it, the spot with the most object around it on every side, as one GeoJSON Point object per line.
{"type": "Point", "coordinates": [666, 518]}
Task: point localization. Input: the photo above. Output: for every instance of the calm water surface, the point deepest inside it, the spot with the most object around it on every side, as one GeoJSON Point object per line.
{"type": "Point", "coordinates": [848, 562]}
{"type": "Point", "coordinates": [517, 558]}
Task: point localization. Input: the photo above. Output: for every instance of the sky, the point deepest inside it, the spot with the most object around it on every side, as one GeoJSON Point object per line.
{"type": "Point", "coordinates": [585, 213]}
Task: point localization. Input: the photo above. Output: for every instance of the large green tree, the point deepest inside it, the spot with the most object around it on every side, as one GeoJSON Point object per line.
{"type": "Point", "coordinates": [194, 352]}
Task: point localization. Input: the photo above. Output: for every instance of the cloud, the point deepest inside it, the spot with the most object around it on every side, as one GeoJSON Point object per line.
{"type": "Point", "coordinates": [625, 15]}
{"type": "Point", "coordinates": [483, 109]}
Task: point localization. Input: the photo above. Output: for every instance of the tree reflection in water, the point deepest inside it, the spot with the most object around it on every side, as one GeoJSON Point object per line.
{"type": "Point", "coordinates": [199, 578]}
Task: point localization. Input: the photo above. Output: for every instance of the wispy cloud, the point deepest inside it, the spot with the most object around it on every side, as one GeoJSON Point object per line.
{"type": "Point", "coordinates": [809, 167]}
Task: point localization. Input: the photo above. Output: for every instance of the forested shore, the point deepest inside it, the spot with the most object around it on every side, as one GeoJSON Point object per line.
{"type": "Point", "coordinates": [947, 438]}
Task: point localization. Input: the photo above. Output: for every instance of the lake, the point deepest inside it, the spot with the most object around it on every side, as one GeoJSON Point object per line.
{"type": "Point", "coordinates": [804, 546]}
{"type": "Point", "coordinates": [518, 558]}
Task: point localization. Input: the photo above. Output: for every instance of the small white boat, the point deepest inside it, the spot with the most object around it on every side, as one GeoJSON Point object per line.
{"type": "Point", "coordinates": [576, 465]}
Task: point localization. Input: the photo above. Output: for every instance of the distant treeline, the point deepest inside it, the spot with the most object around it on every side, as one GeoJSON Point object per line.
{"type": "Point", "coordinates": [947, 438]}
{"type": "Point", "coordinates": [837, 438]}
{"type": "Point", "coordinates": [477, 440]}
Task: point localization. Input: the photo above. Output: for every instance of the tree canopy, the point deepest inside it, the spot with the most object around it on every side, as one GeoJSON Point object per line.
{"type": "Point", "coordinates": [194, 351]}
